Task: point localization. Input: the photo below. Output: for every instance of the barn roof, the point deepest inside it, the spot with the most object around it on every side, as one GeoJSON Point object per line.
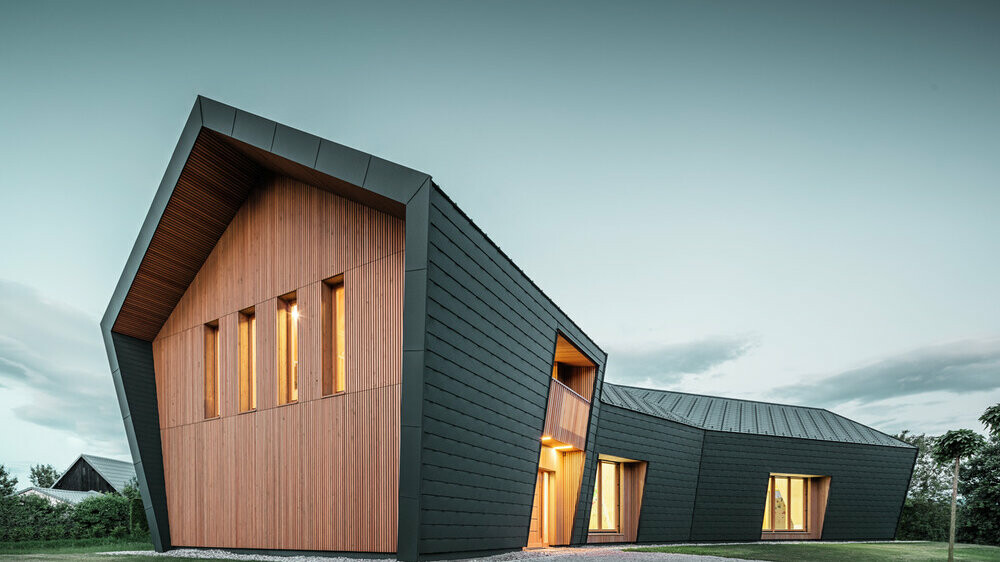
{"type": "Point", "coordinates": [71, 497]}
{"type": "Point", "coordinates": [115, 472]}
{"type": "Point", "coordinates": [744, 416]}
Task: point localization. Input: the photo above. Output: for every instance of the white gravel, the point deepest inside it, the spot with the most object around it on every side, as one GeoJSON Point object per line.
{"type": "Point", "coordinates": [567, 554]}
{"type": "Point", "coordinates": [576, 554]}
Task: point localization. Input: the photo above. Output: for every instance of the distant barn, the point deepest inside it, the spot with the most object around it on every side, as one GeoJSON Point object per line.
{"type": "Point", "coordinates": [100, 474]}
{"type": "Point", "coordinates": [56, 497]}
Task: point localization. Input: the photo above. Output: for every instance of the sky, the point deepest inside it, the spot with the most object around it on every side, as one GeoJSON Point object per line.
{"type": "Point", "coordinates": [781, 201]}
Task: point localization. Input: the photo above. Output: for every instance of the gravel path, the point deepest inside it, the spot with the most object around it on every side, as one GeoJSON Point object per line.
{"type": "Point", "coordinates": [579, 554]}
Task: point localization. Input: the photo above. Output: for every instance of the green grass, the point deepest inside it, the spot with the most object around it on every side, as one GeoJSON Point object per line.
{"type": "Point", "coordinates": [74, 546]}
{"type": "Point", "coordinates": [79, 550]}
{"type": "Point", "coordinates": [820, 552]}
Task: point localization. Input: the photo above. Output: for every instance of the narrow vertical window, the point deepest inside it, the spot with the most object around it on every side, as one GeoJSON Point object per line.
{"type": "Point", "coordinates": [288, 349]}
{"type": "Point", "coordinates": [334, 337]}
{"type": "Point", "coordinates": [212, 370]}
{"type": "Point", "coordinates": [248, 360]}
{"type": "Point", "coordinates": [604, 508]}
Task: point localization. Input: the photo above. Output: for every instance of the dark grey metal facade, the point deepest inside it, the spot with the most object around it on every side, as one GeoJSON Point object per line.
{"type": "Point", "coordinates": [706, 485]}
{"type": "Point", "coordinates": [489, 338]}
{"type": "Point", "coordinates": [673, 454]}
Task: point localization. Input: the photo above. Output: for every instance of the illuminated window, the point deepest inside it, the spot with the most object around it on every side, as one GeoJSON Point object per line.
{"type": "Point", "coordinates": [288, 349]}
{"type": "Point", "coordinates": [212, 370]}
{"type": "Point", "coordinates": [604, 508]}
{"type": "Point", "coordinates": [787, 505]}
{"type": "Point", "coordinates": [334, 337]}
{"type": "Point", "coordinates": [248, 360]}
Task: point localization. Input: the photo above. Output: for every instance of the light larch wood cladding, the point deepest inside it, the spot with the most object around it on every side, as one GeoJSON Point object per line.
{"type": "Point", "coordinates": [319, 474]}
{"type": "Point", "coordinates": [566, 416]}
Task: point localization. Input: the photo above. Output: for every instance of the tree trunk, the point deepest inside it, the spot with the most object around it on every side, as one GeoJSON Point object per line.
{"type": "Point", "coordinates": [954, 501]}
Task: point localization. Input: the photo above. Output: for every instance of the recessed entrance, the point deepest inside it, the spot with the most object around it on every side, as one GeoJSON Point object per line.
{"type": "Point", "coordinates": [541, 511]}
{"type": "Point", "coordinates": [560, 463]}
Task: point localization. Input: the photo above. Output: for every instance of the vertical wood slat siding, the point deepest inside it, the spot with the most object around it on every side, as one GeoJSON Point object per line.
{"type": "Point", "coordinates": [566, 416]}
{"type": "Point", "coordinates": [320, 474]}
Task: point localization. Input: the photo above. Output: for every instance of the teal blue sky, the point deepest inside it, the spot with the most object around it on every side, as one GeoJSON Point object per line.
{"type": "Point", "coordinates": [791, 201]}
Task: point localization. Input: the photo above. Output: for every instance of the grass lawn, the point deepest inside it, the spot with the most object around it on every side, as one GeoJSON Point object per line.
{"type": "Point", "coordinates": [79, 550]}
{"type": "Point", "coordinates": [836, 551]}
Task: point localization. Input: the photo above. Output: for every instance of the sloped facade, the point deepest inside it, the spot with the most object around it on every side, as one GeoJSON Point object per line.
{"type": "Point", "coordinates": [315, 349]}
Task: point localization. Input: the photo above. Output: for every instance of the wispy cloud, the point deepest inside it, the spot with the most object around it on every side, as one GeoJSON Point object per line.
{"type": "Point", "coordinates": [957, 367]}
{"type": "Point", "coordinates": [51, 357]}
{"type": "Point", "coordinates": [667, 364]}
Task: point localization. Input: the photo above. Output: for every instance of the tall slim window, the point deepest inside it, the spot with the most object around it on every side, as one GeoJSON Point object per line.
{"type": "Point", "coordinates": [288, 349]}
{"type": "Point", "coordinates": [334, 337]}
{"type": "Point", "coordinates": [787, 504]}
{"type": "Point", "coordinates": [604, 509]}
{"type": "Point", "coordinates": [212, 370]}
{"type": "Point", "coordinates": [248, 360]}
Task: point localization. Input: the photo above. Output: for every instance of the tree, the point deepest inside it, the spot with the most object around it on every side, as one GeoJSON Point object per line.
{"type": "Point", "coordinates": [931, 479]}
{"type": "Point", "coordinates": [980, 489]}
{"type": "Point", "coordinates": [924, 516]}
{"type": "Point", "coordinates": [952, 446]}
{"type": "Point", "coordinates": [43, 475]}
{"type": "Point", "coordinates": [991, 419]}
{"type": "Point", "coordinates": [980, 486]}
{"type": "Point", "coordinates": [8, 483]}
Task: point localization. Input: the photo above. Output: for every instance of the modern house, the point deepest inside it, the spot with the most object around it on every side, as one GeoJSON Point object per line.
{"type": "Point", "coordinates": [94, 473]}
{"type": "Point", "coordinates": [315, 349]}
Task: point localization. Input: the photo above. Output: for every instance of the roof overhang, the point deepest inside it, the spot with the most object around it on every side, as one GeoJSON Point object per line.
{"type": "Point", "coordinates": [221, 156]}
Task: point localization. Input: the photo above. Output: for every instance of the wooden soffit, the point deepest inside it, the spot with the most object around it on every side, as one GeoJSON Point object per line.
{"type": "Point", "coordinates": [222, 155]}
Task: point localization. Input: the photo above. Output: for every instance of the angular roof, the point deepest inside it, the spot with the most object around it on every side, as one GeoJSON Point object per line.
{"type": "Point", "coordinates": [115, 472]}
{"type": "Point", "coordinates": [744, 416]}
{"type": "Point", "coordinates": [71, 497]}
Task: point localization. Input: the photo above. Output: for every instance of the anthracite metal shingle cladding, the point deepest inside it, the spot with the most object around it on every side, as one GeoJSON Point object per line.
{"type": "Point", "coordinates": [745, 416]}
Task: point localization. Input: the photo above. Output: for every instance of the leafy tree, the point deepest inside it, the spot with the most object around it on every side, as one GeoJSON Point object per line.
{"type": "Point", "coordinates": [991, 419]}
{"type": "Point", "coordinates": [931, 479]}
{"type": "Point", "coordinates": [925, 512]}
{"type": "Point", "coordinates": [980, 486]}
{"type": "Point", "coordinates": [980, 489]}
{"type": "Point", "coordinates": [8, 483]}
{"type": "Point", "coordinates": [952, 446]}
{"type": "Point", "coordinates": [43, 475]}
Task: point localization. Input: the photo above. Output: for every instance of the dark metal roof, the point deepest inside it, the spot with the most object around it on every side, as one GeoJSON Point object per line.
{"type": "Point", "coordinates": [744, 416]}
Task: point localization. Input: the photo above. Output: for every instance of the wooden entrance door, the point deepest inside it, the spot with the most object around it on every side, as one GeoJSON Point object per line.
{"type": "Point", "coordinates": [541, 511]}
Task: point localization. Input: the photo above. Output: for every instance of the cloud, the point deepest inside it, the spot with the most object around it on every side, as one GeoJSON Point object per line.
{"type": "Point", "coordinates": [669, 363]}
{"type": "Point", "coordinates": [957, 367]}
{"type": "Point", "coordinates": [53, 364]}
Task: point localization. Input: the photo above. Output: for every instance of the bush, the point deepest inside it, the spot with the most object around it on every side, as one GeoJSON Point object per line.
{"type": "Point", "coordinates": [924, 520]}
{"type": "Point", "coordinates": [98, 515]}
{"type": "Point", "coordinates": [28, 518]}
